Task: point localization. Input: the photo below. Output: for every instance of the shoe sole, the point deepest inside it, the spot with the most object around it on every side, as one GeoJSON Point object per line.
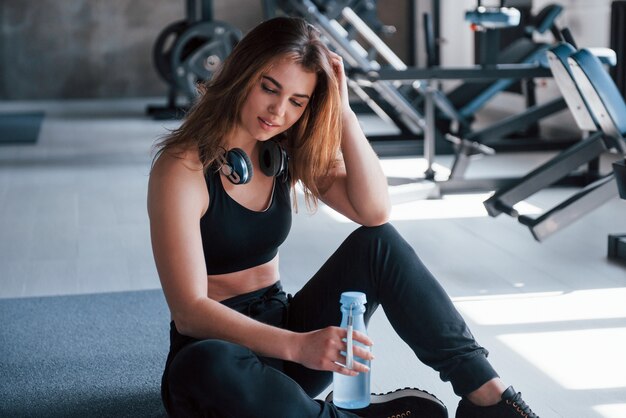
{"type": "Point", "coordinates": [377, 398]}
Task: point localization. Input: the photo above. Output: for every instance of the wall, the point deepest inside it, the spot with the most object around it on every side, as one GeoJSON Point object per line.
{"type": "Point", "coordinates": [91, 48]}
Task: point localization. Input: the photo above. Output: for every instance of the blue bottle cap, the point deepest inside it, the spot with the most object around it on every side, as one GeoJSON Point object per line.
{"type": "Point", "coordinates": [349, 298]}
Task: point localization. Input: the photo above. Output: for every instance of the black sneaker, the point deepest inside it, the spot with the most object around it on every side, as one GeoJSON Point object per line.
{"type": "Point", "coordinates": [408, 402]}
{"type": "Point", "coordinates": [512, 405]}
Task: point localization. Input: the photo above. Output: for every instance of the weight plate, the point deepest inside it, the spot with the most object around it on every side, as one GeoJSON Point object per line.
{"type": "Point", "coordinates": [199, 51]}
{"type": "Point", "coordinates": [162, 49]}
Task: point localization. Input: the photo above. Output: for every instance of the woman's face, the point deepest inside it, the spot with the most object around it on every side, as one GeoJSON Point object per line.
{"type": "Point", "coordinates": [277, 100]}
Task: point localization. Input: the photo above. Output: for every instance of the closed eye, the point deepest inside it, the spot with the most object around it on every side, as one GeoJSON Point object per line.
{"type": "Point", "coordinates": [267, 89]}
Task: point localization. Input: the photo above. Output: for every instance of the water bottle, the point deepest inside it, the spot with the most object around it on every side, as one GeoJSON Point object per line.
{"type": "Point", "coordinates": [352, 392]}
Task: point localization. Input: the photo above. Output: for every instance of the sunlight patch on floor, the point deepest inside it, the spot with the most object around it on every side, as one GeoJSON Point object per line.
{"type": "Point", "coordinates": [617, 410]}
{"type": "Point", "coordinates": [411, 168]}
{"type": "Point", "coordinates": [420, 207]}
{"type": "Point", "coordinates": [414, 198]}
{"type": "Point", "coordinates": [450, 207]}
{"type": "Point", "coordinates": [529, 308]}
{"type": "Point", "coordinates": [577, 359]}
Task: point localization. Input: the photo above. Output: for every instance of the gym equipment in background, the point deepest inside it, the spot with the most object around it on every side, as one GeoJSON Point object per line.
{"type": "Point", "coordinates": [472, 95]}
{"type": "Point", "coordinates": [189, 51]}
{"type": "Point", "coordinates": [617, 242]}
{"type": "Point", "coordinates": [597, 106]}
{"type": "Point", "coordinates": [20, 127]}
{"type": "Point", "coordinates": [618, 43]}
{"type": "Point", "coordinates": [407, 97]}
{"type": "Point", "coordinates": [367, 10]}
{"type": "Point", "coordinates": [465, 100]}
{"type": "Point", "coordinates": [480, 142]}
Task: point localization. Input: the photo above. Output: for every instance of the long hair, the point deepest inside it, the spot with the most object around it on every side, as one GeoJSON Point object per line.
{"type": "Point", "coordinates": [312, 142]}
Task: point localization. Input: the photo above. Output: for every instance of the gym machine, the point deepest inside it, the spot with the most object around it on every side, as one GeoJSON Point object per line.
{"type": "Point", "coordinates": [391, 91]}
{"type": "Point", "coordinates": [465, 100]}
{"type": "Point", "coordinates": [617, 242]}
{"type": "Point", "coordinates": [597, 107]}
{"type": "Point", "coordinates": [189, 51]}
{"type": "Point", "coordinates": [478, 142]}
{"type": "Point", "coordinates": [365, 9]}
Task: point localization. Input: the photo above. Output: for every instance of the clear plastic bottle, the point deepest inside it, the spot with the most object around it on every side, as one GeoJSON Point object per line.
{"type": "Point", "coordinates": [352, 392]}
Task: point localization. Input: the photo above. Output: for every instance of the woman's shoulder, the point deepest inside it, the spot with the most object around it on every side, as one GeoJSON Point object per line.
{"type": "Point", "coordinates": [177, 174]}
{"type": "Point", "coordinates": [177, 159]}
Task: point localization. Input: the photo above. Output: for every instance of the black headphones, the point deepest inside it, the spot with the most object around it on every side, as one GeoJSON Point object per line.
{"type": "Point", "coordinates": [237, 167]}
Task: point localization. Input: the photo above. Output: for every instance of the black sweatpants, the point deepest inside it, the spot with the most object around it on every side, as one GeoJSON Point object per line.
{"type": "Point", "coordinates": [214, 378]}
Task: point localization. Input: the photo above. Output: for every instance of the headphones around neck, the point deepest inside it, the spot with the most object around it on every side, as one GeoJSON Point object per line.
{"type": "Point", "coordinates": [236, 166]}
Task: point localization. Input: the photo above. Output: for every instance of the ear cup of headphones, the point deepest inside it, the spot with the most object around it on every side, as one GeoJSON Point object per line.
{"type": "Point", "coordinates": [236, 166]}
{"type": "Point", "coordinates": [273, 159]}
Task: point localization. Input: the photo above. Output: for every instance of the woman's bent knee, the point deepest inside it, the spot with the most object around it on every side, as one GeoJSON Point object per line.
{"type": "Point", "coordinates": [366, 234]}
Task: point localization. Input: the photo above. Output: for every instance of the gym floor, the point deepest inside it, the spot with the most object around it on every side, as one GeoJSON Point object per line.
{"type": "Point", "coordinates": [73, 220]}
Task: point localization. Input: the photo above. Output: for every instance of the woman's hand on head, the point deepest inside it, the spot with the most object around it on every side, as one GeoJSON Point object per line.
{"type": "Point", "coordinates": [337, 63]}
{"type": "Point", "coordinates": [321, 350]}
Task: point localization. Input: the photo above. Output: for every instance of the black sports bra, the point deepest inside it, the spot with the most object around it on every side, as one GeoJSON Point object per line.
{"type": "Point", "coordinates": [234, 237]}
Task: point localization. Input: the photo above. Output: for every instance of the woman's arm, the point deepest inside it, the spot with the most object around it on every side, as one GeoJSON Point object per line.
{"type": "Point", "coordinates": [177, 199]}
{"type": "Point", "coordinates": [358, 187]}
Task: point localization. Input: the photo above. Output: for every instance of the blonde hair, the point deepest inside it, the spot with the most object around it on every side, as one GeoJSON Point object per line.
{"type": "Point", "coordinates": [312, 142]}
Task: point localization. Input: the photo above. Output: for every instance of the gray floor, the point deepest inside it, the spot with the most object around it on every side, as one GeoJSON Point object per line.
{"type": "Point", "coordinates": [73, 220]}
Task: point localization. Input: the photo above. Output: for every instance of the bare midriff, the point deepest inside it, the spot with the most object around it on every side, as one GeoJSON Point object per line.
{"type": "Point", "coordinates": [223, 286]}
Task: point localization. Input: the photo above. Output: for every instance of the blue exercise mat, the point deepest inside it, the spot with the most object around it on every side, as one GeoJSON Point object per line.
{"type": "Point", "coordinates": [20, 128]}
{"type": "Point", "coordinates": [97, 355]}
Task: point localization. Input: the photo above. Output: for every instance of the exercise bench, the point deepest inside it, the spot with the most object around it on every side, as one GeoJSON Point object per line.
{"type": "Point", "coordinates": [598, 108]}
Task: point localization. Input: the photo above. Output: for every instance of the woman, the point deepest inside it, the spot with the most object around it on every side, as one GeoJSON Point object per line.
{"type": "Point", "coordinates": [277, 114]}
